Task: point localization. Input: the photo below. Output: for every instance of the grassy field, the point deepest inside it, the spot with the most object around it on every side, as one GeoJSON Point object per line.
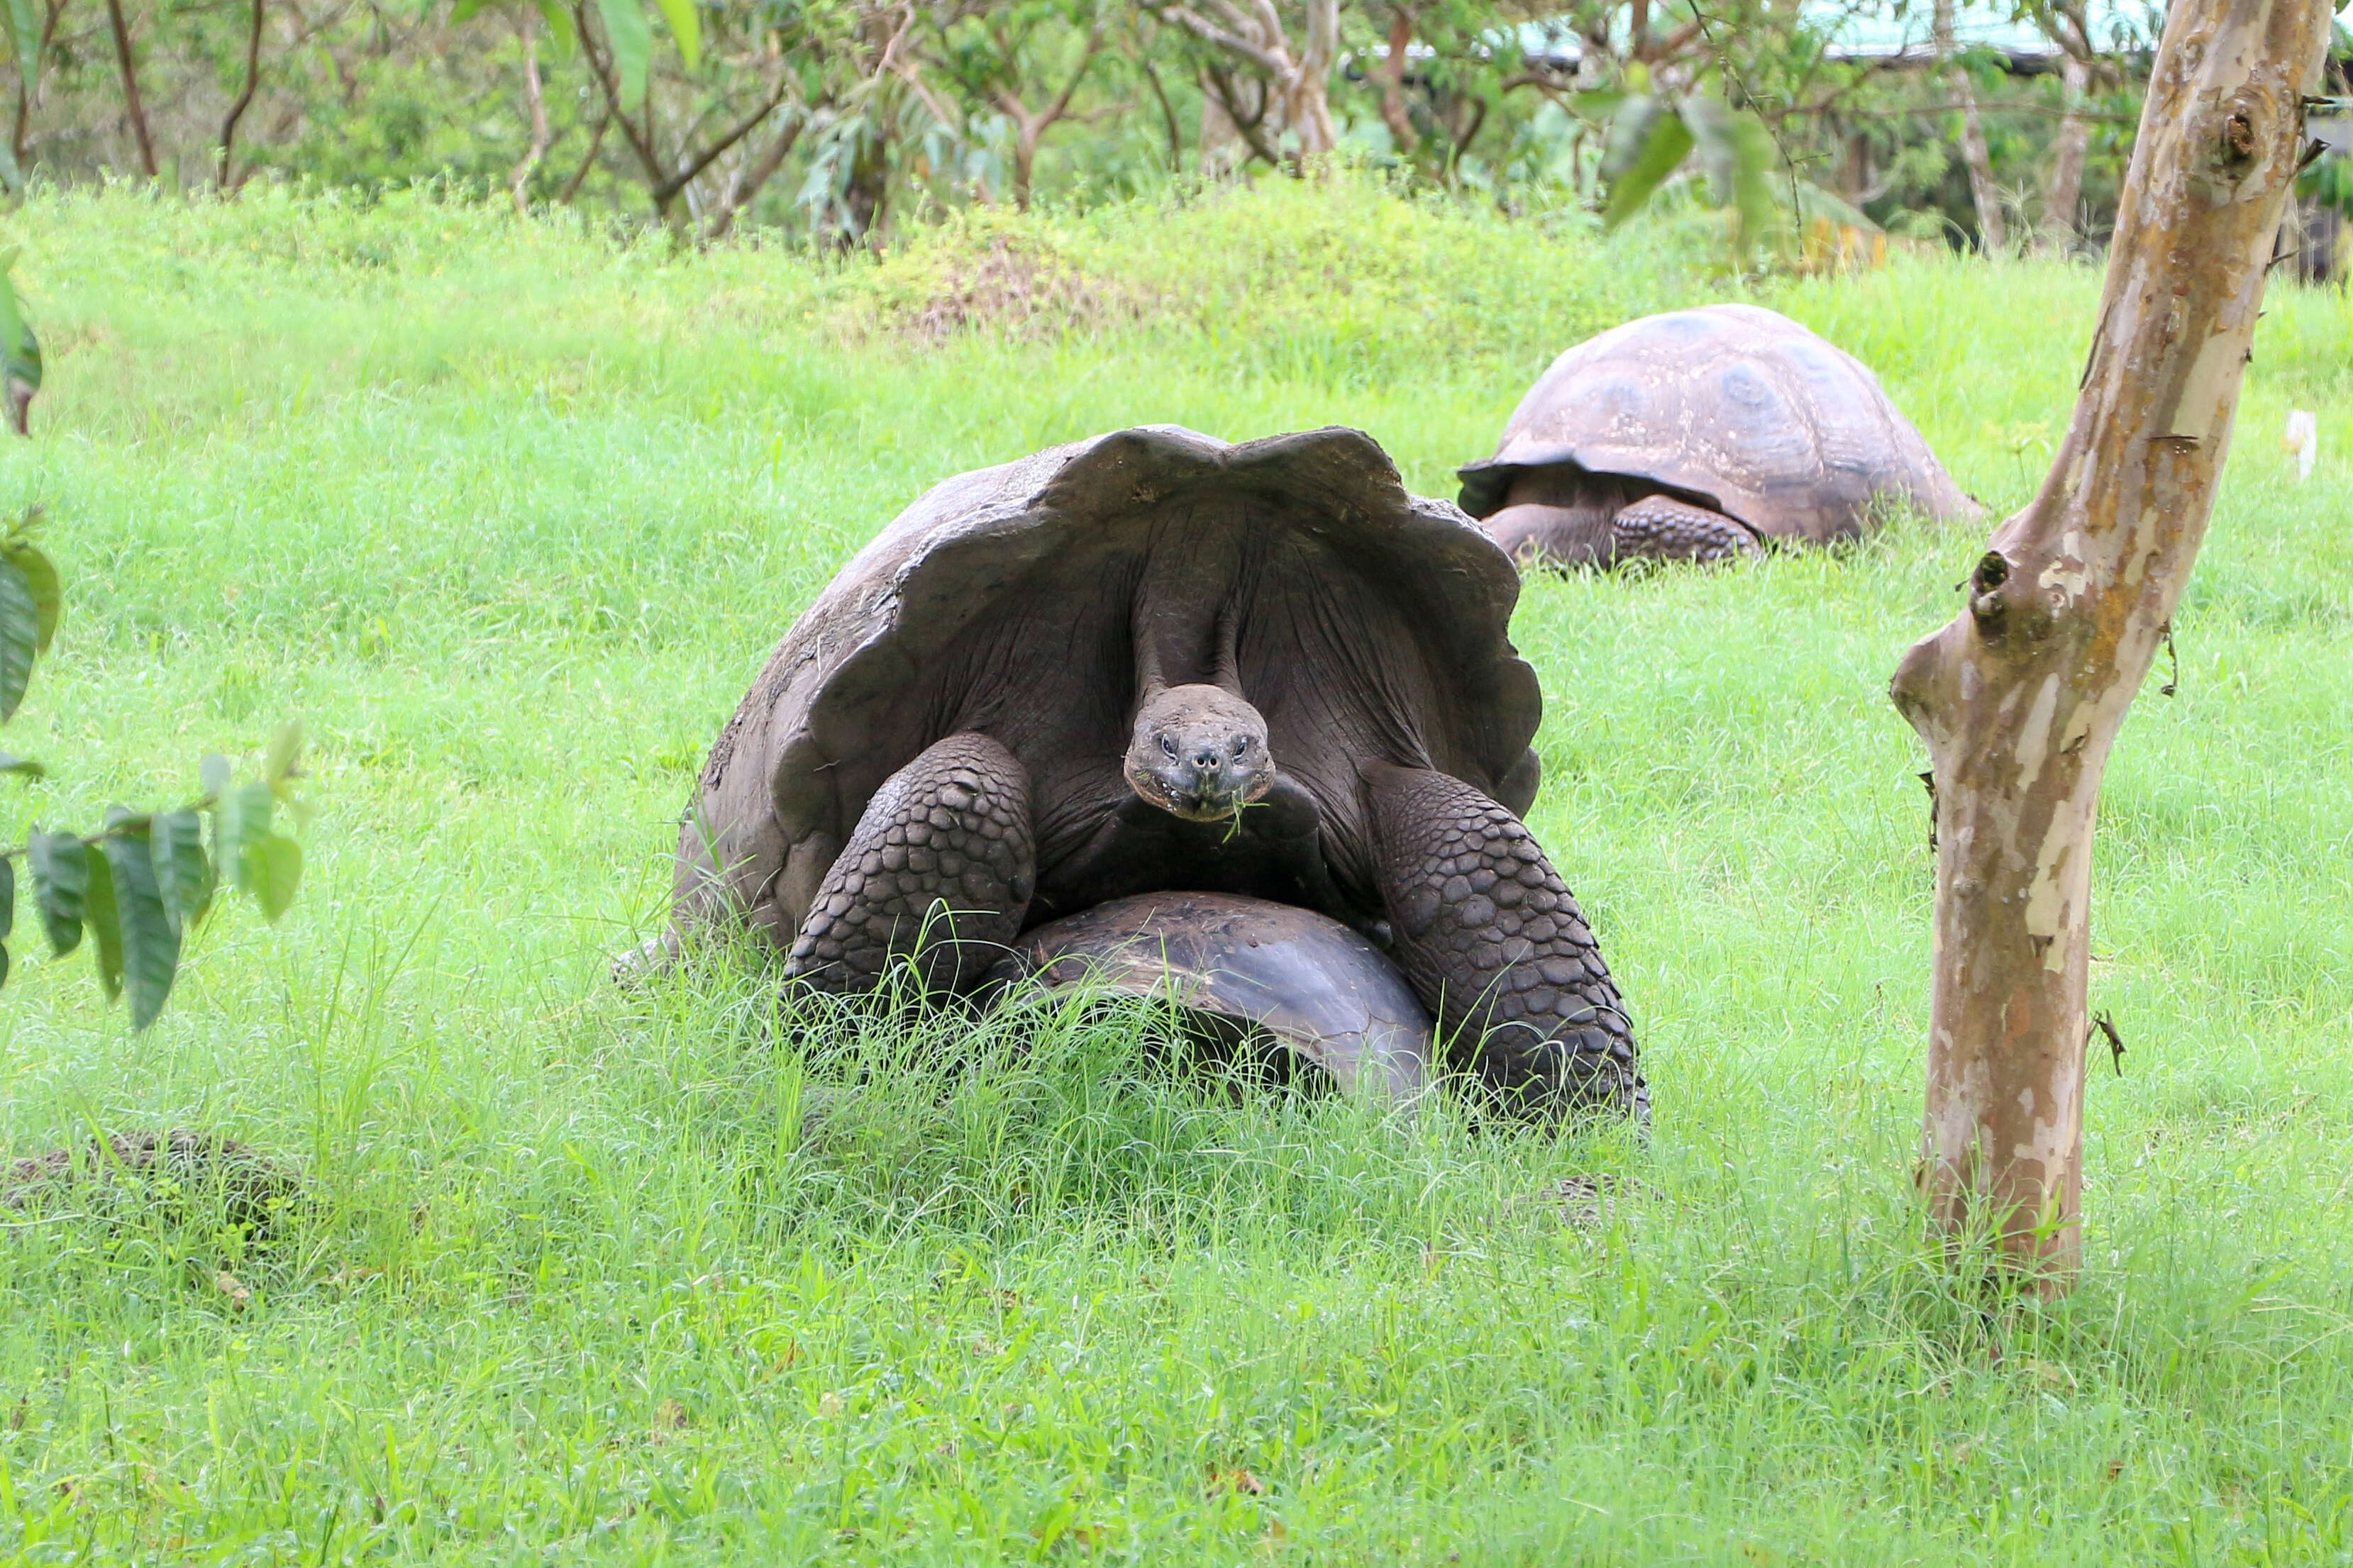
{"type": "Point", "coordinates": [511, 517]}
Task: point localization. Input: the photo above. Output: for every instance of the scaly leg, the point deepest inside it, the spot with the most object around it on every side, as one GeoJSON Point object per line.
{"type": "Point", "coordinates": [1668, 530]}
{"type": "Point", "coordinates": [1494, 942]}
{"type": "Point", "coordinates": [941, 866]}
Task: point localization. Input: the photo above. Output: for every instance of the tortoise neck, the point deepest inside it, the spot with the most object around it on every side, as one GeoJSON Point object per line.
{"type": "Point", "coordinates": [1182, 640]}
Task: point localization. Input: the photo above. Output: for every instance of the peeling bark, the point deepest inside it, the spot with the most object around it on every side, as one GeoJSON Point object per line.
{"type": "Point", "coordinates": [2019, 699]}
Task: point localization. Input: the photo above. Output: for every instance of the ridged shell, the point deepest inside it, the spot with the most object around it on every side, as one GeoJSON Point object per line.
{"type": "Point", "coordinates": [1734, 406]}
{"type": "Point", "coordinates": [1397, 623]}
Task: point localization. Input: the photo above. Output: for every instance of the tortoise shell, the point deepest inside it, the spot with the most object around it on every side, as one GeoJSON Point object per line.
{"type": "Point", "coordinates": [1257, 968]}
{"type": "Point", "coordinates": [1734, 407]}
{"type": "Point", "coordinates": [1367, 624]}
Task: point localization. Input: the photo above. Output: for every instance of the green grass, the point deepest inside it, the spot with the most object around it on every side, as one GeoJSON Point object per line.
{"type": "Point", "coordinates": [511, 517]}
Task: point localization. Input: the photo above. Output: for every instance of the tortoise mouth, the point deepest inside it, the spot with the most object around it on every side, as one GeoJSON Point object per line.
{"type": "Point", "coordinates": [1197, 795]}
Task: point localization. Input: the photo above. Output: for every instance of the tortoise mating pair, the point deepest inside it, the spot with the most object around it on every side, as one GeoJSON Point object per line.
{"type": "Point", "coordinates": [1153, 661]}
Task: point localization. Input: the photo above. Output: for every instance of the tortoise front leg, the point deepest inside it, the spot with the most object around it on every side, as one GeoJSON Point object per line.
{"type": "Point", "coordinates": [1669, 530]}
{"type": "Point", "coordinates": [941, 867]}
{"type": "Point", "coordinates": [1495, 944]}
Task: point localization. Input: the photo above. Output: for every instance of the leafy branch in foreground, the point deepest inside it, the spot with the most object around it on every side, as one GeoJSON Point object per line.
{"type": "Point", "coordinates": [20, 352]}
{"type": "Point", "coordinates": [142, 881]}
{"type": "Point", "coordinates": [1650, 132]}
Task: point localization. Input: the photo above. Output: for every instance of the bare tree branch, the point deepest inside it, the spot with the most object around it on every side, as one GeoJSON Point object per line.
{"type": "Point", "coordinates": [244, 100]}
{"type": "Point", "coordinates": [128, 66]}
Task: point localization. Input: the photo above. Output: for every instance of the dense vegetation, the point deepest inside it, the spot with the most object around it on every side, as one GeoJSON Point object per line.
{"type": "Point", "coordinates": [510, 514]}
{"type": "Point", "coordinates": [844, 121]}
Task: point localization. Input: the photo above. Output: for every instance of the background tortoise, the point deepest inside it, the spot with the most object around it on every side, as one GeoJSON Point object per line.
{"type": "Point", "coordinates": [1153, 661]}
{"type": "Point", "coordinates": [1696, 434]}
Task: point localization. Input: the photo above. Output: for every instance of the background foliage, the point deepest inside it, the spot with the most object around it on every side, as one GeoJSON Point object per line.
{"type": "Point", "coordinates": [848, 121]}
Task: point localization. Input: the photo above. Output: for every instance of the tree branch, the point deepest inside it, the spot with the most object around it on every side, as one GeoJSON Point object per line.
{"type": "Point", "coordinates": [668, 189]}
{"type": "Point", "coordinates": [244, 100]}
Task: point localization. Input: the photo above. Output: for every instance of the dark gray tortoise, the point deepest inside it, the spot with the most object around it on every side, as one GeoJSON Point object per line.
{"type": "Point", "coordinates": [1155, 661]}
{"type": "Point", "coordinates": [1699, 435]}
{"type": "Point", "coordinates": [1241, 973]}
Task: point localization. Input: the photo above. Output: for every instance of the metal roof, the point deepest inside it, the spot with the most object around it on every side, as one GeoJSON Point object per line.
{"type": "Point", "coordinates": [1901, 31]}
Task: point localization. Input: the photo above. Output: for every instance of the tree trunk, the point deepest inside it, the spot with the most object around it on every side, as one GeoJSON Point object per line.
{"type": "Point", "coordinates": [1297, 118]}
{"type": "Point", "coordinates": [1224, 146]}
{"type": "Point", "coordinates": [1167, 117]}
{"type": "Point", "coordinates": [1305, 94]}
{"type": "Point", "coordinates": [1031, 125]}
{"type": "Point", "coordinates": [527, 24]}
{"type": "Point", "coordinates": [866, 196]}
{"type": "Point", "coordinates": [1393, 108]}
{"type": "Point", "coordinates": [746, 184]}
{"type": "Point", "coordinates": [21, 143]}
{"type": "Point", "coordinates": [2020, 696]}
{"type": "Point", "coordinates": [2074, 139]}
{"type": "Point", "coordinates": [132, 107]}
{"type": "Point", "coordinates": [1856, 172]}
{"type": "Point", "coordinates": [580, 176]}
{"type": "Point", "coordinates": [1993, 233]}
{"type": "Point", "coordinates": [244, 100]}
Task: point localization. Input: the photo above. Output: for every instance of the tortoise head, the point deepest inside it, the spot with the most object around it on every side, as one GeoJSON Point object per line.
{"type": "Point", "coordinates": [1199, 751]}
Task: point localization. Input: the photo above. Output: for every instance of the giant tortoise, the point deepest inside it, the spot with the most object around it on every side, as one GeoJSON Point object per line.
{"type": "Point", "coordinates": [1151, 661]}
{"type": "Point", "coordinates": [1239, 974]}
{"type": "Point", "coordinates": [1698, 435]}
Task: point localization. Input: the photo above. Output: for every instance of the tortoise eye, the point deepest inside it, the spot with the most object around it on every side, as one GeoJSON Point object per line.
{"type": "Point", "coordinates": [1240, 746]}
{"type": "Point", "coordinates": [1169, 745]}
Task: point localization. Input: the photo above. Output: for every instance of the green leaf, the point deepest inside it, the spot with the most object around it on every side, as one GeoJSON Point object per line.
{"type": "Point", "coordinates": [184, 878]}
{"type": "Point", "coordinates": [8, 899]}
{"type": "Point", "coordinates": [216, 774]}
{"type": "Point", "coordinates": [4, 965]}
{"type": "Point", "coordinates": [1664, 146]}
{"type": "Point", "coordinates": [20, 351]}
{"type": "Point", "coordinates": [285, 753]}
{"type": "Point", "coordinates": [685, 26]}
{"type": "Point", "coordinates": [242, 817]}
{"type": "Point", "coordinates": [99, 914]}
{"type": "Point", "coordinates": [1737, 151]}
{"type": "Point", "coordinates": [60, 886]}
{"type": "Point", "coordinates": [41, 576]}
{"type": "Point", "coordinates": [272, 869]}
{"type": "Point", "coordinates": [20, 638]}
{"type": "Point", "coordinates": [148, 935]}
{"type": "Point", "coordinates": [23, 767]}
{"type": "Point", "coordinates": [632, 41]}
{"type": "Point", "coordinates": [1600, 105]}
{"type": "Point", "coordinates": [1636, 114]}
{"type": "Point", "coordinates": [465, 11]}
{"type": "Point", "coordinates": [559, 28]}
{"type": "Point", "coordinates": [23, 26]}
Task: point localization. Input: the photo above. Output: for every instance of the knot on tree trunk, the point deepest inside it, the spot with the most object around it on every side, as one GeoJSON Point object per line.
{"type": "Point", "coordinates": [1985, 592]}
{"type": "Point", "coordinates": [2243, 138]}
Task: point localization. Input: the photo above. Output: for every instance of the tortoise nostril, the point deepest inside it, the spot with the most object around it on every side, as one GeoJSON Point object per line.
{"type": "Point", "coordinates": [1206, 760]}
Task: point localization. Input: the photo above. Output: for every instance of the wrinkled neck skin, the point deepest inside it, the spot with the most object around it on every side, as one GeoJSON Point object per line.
{"type": "Point", "coordinates": [1561, 515]}
{"type": "Point", "coordinates": [1198, 749]}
